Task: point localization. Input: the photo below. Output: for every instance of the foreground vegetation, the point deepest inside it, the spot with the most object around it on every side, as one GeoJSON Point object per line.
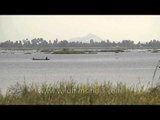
{"type": "Point", "coordinates": [72, 93]}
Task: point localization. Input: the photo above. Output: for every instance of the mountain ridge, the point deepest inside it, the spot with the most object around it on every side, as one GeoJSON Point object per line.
{"type": "Point", "coordinates": [86, 38]}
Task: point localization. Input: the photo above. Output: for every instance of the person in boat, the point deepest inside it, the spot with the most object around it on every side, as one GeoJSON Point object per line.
{"type": "Point", "coordinates": [46, 58]}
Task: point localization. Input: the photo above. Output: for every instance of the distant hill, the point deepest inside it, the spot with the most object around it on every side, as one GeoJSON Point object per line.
{"type": "Point", "coordinates": [87, 38]}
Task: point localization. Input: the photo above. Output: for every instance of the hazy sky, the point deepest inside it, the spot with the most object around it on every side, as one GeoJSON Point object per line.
{"type": "Point", "coordinates": [113, 27]}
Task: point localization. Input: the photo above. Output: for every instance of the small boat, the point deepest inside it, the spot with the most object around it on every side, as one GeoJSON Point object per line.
{"type": "Point", "coordinates": [40, 59]}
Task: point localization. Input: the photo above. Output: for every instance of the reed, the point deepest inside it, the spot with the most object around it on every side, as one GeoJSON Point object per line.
{"type": "Point", "coordinates": [73, 93]}
{"type": "Point", "coordinates": [154, 73]}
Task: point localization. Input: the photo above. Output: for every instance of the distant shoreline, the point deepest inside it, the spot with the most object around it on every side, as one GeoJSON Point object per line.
{"type": "Point", "coordinates": [79, 50]}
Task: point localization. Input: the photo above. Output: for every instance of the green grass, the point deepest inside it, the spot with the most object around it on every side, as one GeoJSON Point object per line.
{"type": "Point", "coordinates": [72, 93]}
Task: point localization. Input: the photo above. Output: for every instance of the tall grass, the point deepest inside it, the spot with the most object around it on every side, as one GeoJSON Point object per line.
{"type": "Point", "coordinates": [72, 93]}
{"type": "Point", "coordinates": [154, 74]}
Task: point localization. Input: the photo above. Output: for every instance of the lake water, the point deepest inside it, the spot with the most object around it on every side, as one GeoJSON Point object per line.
{"type": "Point", "coordinates": [135, 67]}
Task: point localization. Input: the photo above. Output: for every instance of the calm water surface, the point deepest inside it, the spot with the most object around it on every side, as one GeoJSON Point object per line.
{"type": "Point", "coordinates": [134, 67]}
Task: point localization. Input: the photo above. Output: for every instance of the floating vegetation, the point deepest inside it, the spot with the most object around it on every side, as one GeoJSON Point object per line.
{"type": "Point", "coordinates": [155, 51]}
{"type": "Point", "coordinates": [4, 52]}
{"type": "Point", "coordinates": [116, 51]}
{"type": "Point", "coordinates": [28, 53]}
{"type": "Point", "coordinates": [67, 51]}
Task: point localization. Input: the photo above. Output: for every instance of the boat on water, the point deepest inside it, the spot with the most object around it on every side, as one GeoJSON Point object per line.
{"type": "Point", "coordinates": [40, 59]}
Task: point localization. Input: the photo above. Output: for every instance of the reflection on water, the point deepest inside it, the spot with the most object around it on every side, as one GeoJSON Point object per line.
{"type": "Point", "coordinates": [128, 67]}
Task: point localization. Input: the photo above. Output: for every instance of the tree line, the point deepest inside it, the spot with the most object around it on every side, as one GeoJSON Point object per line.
{"type": "Point", "coordinates": [41, 43]}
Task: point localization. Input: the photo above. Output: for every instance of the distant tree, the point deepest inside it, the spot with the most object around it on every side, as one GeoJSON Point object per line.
{"type": "Point", "coordinates": [63, 43]}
